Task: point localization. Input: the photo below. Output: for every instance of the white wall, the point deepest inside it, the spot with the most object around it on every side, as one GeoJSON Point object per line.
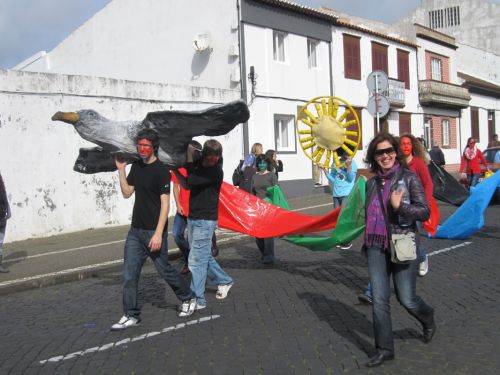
{"type": "Point", "coordinates": [426, 45]}
{"type": "Point", "coordinates": [478, 63]}
{"type": "Point", "coordinates": [151, 40]}
{"type": "Point", "coordinates": [37, 155]}
{"type": "Point", "coordinates": [281, 88]}
{"type": "Point", "coordinates": [357, 93]}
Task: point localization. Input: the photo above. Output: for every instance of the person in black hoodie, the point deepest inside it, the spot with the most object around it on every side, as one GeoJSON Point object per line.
{"type": "Point", "coordinates": [4, 216]}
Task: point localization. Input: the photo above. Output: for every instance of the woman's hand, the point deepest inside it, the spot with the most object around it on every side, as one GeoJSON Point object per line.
{"type": "Point", "coordinates": [396, 198]}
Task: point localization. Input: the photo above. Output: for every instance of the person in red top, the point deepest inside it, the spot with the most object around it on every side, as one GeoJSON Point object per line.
{"type": "Point", "coordinates": [416, 159]}
{"type": "Point", "coordinates": [470, 165]}
{"type": "Point", "coordinates": [181, 197]}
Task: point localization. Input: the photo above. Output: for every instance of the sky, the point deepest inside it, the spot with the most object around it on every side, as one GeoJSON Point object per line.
{"type": "Point", "coordinates": [30, 26]}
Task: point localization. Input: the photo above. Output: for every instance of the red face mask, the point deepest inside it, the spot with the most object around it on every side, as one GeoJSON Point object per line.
{"type": "Point", "coordinates": [144, 148]}
{"type": "Point", "coordinates": [472, 143]}
{"type": "Point", "coordinates": [406, 146]}
{"type": "Point", "coordinates": [212, 160]}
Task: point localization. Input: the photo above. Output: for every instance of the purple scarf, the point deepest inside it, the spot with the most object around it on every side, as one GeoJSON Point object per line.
{"type": "Point", "coordinates": [376, 232]}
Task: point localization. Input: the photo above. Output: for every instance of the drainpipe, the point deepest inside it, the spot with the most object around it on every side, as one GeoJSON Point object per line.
{"type": "Point", "coordinates": [241, 38]}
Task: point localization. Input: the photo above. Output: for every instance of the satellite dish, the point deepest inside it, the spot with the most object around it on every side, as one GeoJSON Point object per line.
{"type": "Point", "coordinates": [202, 42]}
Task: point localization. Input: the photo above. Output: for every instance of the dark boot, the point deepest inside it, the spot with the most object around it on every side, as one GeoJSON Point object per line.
{"type": "Point", "coordinates": [2, 270]}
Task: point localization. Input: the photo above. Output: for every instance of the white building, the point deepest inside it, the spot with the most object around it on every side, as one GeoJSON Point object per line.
{"type": "Point", "coordinates": [274, 54]}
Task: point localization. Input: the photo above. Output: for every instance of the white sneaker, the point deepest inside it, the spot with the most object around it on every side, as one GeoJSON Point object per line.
{"type": "Point", "coordinates": [222, 291]}
{"type": "Point", "coordinates": [200, 307]}
{"type": "Point", "coordinates": [126, 322]}
{"type": "Point", "coordinates": [423, 267]}
{"type": "Point", "coordinates": [187, 308]}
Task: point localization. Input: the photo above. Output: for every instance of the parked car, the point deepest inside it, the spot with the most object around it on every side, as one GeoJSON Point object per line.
{"type": "Point", "coordinates": [489, 155]}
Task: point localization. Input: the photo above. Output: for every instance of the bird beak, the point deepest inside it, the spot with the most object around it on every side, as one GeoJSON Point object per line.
{"type": "Point", "coordinates": [69, 117]}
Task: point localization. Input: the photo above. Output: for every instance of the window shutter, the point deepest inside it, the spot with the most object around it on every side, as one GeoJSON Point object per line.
{"type": "Point", "coordinates": [403, 68]}
{"type": "Point", "coordinates": [352, 64]}
{"type": "Point", "coordinates": [379, 57]}
{"type": "Point", "coordinates": [474, 123]}
{"type": "Point", "coordinates": [404, 123]}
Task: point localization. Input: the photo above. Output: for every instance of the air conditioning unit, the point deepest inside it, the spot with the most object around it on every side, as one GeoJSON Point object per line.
{"type": "Point", "coordinates": [235, 75]}
{"type": "Point", "coordinates": [234, 50]}
{"type": "Point", "coordinates": [202, 42]}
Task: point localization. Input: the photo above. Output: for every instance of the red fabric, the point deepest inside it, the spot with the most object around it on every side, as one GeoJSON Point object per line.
{"type": "Point", "coordinates": [242, 212]}
{"type": "Point", "coordinates": [472, 166]}
{"type": "Point", "coordinates": [418, 166]}
{"type": "Point", "coordinates": [431, 224]}
{"type": "Point", "coordinates": [183, 193]}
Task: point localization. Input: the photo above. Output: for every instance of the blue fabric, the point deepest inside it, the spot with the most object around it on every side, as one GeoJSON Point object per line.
{"type": "Point", "coordinates": [201, 262]}
{"type": "Point", "coordinates": [468, 218]}
{"type": "Point", "coordinates": [342, 181]}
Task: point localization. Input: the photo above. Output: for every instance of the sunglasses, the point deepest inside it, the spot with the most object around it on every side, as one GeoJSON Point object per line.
{"type": "Point", "coordinates": [384, 151]}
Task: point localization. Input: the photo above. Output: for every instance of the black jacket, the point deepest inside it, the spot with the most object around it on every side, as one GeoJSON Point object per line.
{"type": "Point", "coordinates": [437, 156]}
{"type": "Point", "coordinates": [417, 210]}
{"type": "Point", "coordinates": [4, 203]}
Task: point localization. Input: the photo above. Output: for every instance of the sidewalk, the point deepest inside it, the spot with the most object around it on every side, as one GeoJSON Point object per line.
{"type": "Point", "coordinates": [75, 256]}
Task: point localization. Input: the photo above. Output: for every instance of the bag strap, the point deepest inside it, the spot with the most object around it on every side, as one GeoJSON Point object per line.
{"type": "Point", "coordinates": [378, 182]}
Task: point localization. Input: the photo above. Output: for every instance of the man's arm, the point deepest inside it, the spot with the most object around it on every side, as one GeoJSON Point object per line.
{"type": "Point", "coordinates": [181, 179]}
{"type": "Point", "coordinates": [177, 197]}
{"type": "Point", "coordinates": [127, 190]}
{"type": "Point", "coordinates": [156, 240]}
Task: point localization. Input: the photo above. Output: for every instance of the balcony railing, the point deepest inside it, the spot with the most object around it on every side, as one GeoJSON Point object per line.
{"type": "Point", "coordinates": [436, 93]}
{"type": "Point", "coordinates": [395, 93]}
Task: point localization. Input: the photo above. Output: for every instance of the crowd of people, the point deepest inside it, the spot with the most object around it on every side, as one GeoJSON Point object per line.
{"type": "Point", "coordinates": [397, 197]}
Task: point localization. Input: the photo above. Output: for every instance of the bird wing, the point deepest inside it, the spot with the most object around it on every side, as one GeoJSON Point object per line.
{"type": "Point", "coordinates": [177, 128]}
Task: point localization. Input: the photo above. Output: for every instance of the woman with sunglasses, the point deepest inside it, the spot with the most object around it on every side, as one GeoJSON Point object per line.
{"type": "Point", "coordinates": [470, 164]}
{"type": "Point", "coordinates": [383, 158]}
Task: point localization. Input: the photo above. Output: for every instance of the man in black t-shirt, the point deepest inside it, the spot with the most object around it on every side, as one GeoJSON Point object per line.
{"type": "Point", "coordinates": [149, 179]}
{"type": "Point", "coordinates": [204, 180]}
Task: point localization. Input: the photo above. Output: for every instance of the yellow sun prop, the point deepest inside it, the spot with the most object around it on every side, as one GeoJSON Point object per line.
{"type": "Point", "coordinates": [325, 125]}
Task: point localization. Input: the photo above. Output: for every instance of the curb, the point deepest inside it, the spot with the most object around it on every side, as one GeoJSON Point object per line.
{"type": "Point", "coordinates": [85, 272]}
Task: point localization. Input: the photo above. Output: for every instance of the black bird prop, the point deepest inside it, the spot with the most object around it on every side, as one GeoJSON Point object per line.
{"type": "Point", "coordinates": [175, 130]}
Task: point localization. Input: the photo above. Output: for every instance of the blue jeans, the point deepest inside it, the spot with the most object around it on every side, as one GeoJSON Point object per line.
{"type": "Point", "coordinates": [2, 236]}
{"type": "Point", "coordinates": [266, 248]}
{"type": "Point", "coordinates": [337, 201]}
{"type": "Point", "coordinates": [421, 251]}
{"type": "Point", "coordinates": [473, 179]}
{"type": "Point", "coordinates": [404, 278]}
{"type": "Point", "coordinates": [201, 262]}
{"type": "Point", "coordinates": [135, 254]}
{"type": "Point", "coordinates": [178, 229]}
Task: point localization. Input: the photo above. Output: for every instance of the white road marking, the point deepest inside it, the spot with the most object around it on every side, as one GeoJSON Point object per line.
{"type": "Point", "coordinates": [60, 273]}
{"type": "Point", "coordinates": [116, 344]}
{"type": "Point", "coordinates": [446, 249]}
{"type": "Point", "coordinates": [61, 251]}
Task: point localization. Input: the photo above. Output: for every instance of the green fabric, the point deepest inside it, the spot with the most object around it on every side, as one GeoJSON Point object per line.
{"type": "Point", "coordinates": [276, 197]}
{"type": "Point", "coordinates": [350, 224]}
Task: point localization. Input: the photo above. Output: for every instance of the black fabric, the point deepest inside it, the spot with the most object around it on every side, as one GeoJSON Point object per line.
{"type": "Point", "coordinates": [149, 182]}
{"type": "Point", "coordinates": [246, 178]}
{"type": "Point", "coordinates": [204, 184]}
{"type": "Point", "coordinates": [437, 156]}
{"type": "Point", "coordinates": [446, 187]}
{"type": "Point", "coordinates": [237, 177]}
{"type": "Point", "coordinates": [4, 203]}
